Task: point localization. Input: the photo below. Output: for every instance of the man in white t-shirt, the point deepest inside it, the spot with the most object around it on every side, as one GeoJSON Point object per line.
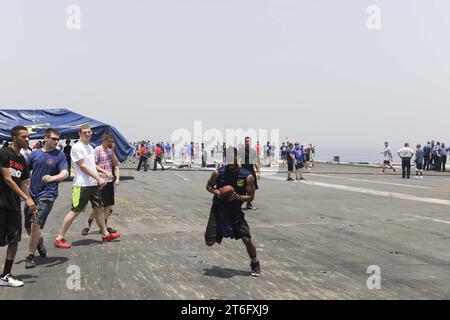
{"type": "Point", "coordinates": [406, 153]}
{"type": "Point", "coordinates": [86, 188]}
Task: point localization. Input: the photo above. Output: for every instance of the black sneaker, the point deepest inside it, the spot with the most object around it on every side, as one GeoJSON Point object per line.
{"type": "Point", "coordinates": [111, 230]}
{"type": "Point", "coordinates": [41, 249]}
{"type": "Point", "coordinates": [301, 178]}
{"type": "Point", "coordinates": [256, 269]}
{"type": "Point", "coordinates": [85, 231]}
{"type": "Point", "coordinates": [29, 262]}
{"type": "Point", "coordinates": [290, 179]}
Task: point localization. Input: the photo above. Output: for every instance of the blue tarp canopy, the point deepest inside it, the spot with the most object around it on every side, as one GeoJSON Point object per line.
{"type": "Point", "coordinates": [66, 121]}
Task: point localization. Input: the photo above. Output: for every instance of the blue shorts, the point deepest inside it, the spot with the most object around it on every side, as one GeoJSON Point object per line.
{"type": "Point", "coordinates": [44, 206]}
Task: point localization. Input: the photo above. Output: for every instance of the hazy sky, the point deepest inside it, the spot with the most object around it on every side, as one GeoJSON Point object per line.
{"type": "Point", "coordinates": [310, 68]}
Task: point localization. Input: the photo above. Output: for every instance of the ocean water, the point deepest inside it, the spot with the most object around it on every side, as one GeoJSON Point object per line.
{"type": "Point", "coordinates": [353, 154]}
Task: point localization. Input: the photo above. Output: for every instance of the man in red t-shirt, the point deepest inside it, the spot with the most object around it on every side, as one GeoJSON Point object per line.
{"type": "Point", "coordinates": [158, 157]}
{"type": "Point", "coordinates": [143, 158]}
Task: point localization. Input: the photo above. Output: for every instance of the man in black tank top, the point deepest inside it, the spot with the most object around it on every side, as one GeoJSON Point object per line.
{"type": "Point", "coordinates": [226, 217]}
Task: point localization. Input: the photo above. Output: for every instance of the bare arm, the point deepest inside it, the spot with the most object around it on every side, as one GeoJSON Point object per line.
{"type": "Point", "coordinates": [116, 165]}
{"type": "Point", "coordinates": [89, 172]}
{"type": "Point", "coordinates": [56, 178]}
{"type": "Point", "coordinates": [250, 190]}
{"type": "Point", "coordinates": [212, 181]}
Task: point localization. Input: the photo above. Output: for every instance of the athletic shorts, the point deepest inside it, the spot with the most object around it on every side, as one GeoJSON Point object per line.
{"type": "Point", "coordinates": [419, 166]}
{"type": "Point", "coordinates": [213, 232]}
{"type": "Point", "coordinates": [299, 165]}
{"type": "Point", "coordinates": [283, 156]}
{"type": "Point", "coordinates": [387, 162]}
{"type": "Point", "coordinates": [107, 194]}
{"type": "Point", "coordinates": [290, 166]}
{"type": "Point", "coordinates": [10, 227]}
{"type": "Point", "coordinates": [82, 195]}
{"type": "Point", "coordinates": [44, 206]}
{"type": "Point", "coordinates": [306, 158]}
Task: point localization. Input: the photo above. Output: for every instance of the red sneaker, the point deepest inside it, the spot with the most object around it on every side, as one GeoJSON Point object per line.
{"type": "Point", "coordinates": [63, 244]}
{"type": "Point", "coordinates": [112, 236]}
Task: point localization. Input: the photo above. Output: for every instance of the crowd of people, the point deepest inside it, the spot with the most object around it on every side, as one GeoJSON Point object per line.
{"type": "Point", "coordinates": [432, 156]}
{"type": "Point", "coordinates": [33, 176]}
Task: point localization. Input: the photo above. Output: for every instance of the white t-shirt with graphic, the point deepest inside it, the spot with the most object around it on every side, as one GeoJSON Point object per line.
{"type": "Point", "coordinates": [86, 152]}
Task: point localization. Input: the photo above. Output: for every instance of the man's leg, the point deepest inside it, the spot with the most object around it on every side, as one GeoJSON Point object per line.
{"type": "Point", "coordinates": [100, 219]}
{"type": "Point", "coordinates": [68, 220]}
{"type": "Point", "coordinates": [251, 250]}
{"type": "Point", "coordinates": [408, 168]}
{"type": "Point", "coordinates": [34, 238]}
{"type": "Point", "coordinates": [250, 245]}
{"type": "Point", "coordinates": [9, 261]}
{"type": "Point", "coordinates": [403, 168]}
{"type": "Point", "coordinates": [86, 229]}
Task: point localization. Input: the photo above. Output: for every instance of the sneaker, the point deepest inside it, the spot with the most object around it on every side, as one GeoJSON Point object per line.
{"type": "Point", "coordinates": [63, 244]}
{"type": "Point", "coordinates": [41, 249]}
{"type": "Point", "coordinates": [395, 170]}
{"type": "Point", "coordinates": [111, 236]}
{"type": "Point", "coordinates": [85, 231]}
{"type": "Point", "coordinates": [111, 230]}
{"type": "Point", "coordinates": [421, 177]}
{"type": "Point", "coordinates": [290, 179]}
{"type": "Point", "coordinates": [29, 262]}
{"type": "Point", "coordinates": [10, 281]}
{"type": "Point", "coordinates": [301, 178]}
{"type": "Point", "coordinates": [250, 207]}
{"type": "Point", "coordinates": [417, 177]}
{"type": "Point", "coordinates": [256, 269]}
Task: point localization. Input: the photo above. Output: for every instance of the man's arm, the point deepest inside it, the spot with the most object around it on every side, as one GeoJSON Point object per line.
{"type": "Point", "coordinates": [212, 182]}
{"type": "Point", "coordinates": [116, 165]}
{"type": "Point", "coordinates": [89, 172]}
{"type": "Point", "coordinates": [21, 191]}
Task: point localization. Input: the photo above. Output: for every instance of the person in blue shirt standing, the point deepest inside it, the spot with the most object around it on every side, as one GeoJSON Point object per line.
{"type": "Point", "coordinates": [290, 159]}
{"type": "Point", "coordinates": [419, 161]}
{"type": "Point", "coordinates": [49, 167]}
{"type": "Point", "coordinates": [427, 156]}
{"type": "Point", "coordinates": [168, 148]}
{"type": "Point", "coordinates": [437, 156]}
{"type": "Point", "coordinates": [299, 163]}
{"type": "Point", "coordinates": [443, 153]}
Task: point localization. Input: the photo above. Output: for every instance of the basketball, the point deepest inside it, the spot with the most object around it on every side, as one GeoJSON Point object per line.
{"type": "Point", "coordinates": [226, 191]}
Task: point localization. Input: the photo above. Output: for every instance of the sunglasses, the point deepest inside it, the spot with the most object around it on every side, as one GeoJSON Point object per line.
{"type": "Point", "coordinates": [55, 139]}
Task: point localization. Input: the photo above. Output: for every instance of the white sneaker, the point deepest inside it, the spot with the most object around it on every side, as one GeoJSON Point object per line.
{"type": "Point", "coordinates": [417, 177]}
{"type": "Point", "coordinates": [421, 177]}
{"type": "Point", "coordinates": [10, 281]}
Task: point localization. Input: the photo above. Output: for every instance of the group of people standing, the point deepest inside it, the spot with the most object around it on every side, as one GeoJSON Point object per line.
{"type": "Point", "coordinates": [432, 156]}
{"type": "Point", "coordinates": [35, 180]}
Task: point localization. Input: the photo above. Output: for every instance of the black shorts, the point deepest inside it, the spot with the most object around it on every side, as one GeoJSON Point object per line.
{"type": "Point", "coordinates": [81, 196]}
{"type": "Point", "coordinates": [387, 162]}
{"type": "Point", "coordinates": [10, 227]}
{"type": "Point", "coordinates": [307, 158]}
{"type": "Point", "coordinates": [107, 194]}
{"type": "Point", "coordinates": [299, 165]}
{"type": "Point", "coordinates": [283, 156]}
{"type": "Point", "coordinates": [419, 166]}
{"type": "Point", "coordinates": [213, 232]}
{"type": "Point", "coordinates": [290, 166]}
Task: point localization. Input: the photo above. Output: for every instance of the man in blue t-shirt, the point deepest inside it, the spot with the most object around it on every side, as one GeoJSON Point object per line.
{"type": "Point", "coordinates": [49, 167]}
{"type": "Point", "coordinates": [290, 159]}
{"type": "Point", "coordinates": [299, 163]}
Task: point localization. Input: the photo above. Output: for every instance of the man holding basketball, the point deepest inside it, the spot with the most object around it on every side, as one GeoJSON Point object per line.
{"type": "Point", "coordinates": [226, 217]}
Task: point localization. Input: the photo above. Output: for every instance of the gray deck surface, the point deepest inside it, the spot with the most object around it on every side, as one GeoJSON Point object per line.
{"type": "Point", "coordinates": [315, 240]}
